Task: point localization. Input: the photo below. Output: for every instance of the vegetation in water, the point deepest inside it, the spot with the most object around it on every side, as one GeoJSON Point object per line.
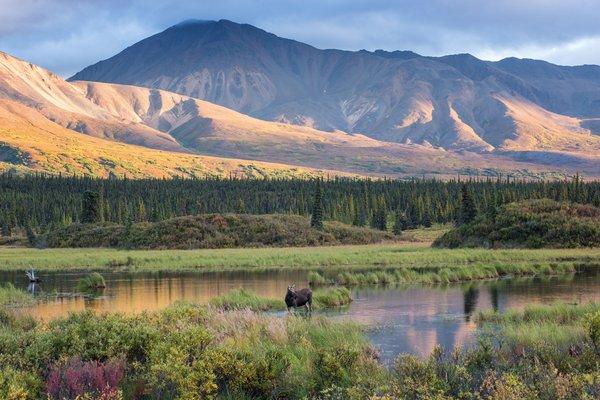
{"type": "Point", "coordinates": [391, 275]}
{"type": "Point", "coordinates": [241, 299]}
{"type": "Point", "coordinates": [10, 296]}
{"type": "Point", "coordinates": [93, 281]}
{"type": "Point", "coordinates": [558, 332]}
{"type": "Point", "coordinates": [189, 351]}
{"type": "Point", "coordinates": [214, 231]}
{"type": "Point", "coordinates": [534, 223]}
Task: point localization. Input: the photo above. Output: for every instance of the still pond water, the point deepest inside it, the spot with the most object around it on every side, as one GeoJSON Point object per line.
{"type": "Point", "coordinates": [411, 318]}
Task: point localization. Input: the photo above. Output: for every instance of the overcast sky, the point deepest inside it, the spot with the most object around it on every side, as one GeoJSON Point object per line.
{"type": "Point", "coordinates": [67, 35]}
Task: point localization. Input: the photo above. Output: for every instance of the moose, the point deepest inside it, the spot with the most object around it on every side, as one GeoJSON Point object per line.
{"type": "Point", "coordinates": [298, 298]}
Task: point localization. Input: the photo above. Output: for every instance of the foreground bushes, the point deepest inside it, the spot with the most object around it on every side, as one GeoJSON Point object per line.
{"type": "Point", "coordinates": [532, 224]}
{"type": "Point", "coordinates": [214, 231]}
{"type": "Point", "coordinates": [193, 352]}
{"type": "Point", "coordinates": [184, 352]}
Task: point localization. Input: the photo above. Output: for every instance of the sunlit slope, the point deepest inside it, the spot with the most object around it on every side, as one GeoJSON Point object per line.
{"type": "Point", "coordinates": [212, 129]}
{"type": "Point", "coordinates": [31, 143]}
{"type": "Point", "coordinates": [65, 104]}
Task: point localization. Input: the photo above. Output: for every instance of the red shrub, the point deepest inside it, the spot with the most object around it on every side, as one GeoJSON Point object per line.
{"type": "Point", "coordinates": [73, 377]}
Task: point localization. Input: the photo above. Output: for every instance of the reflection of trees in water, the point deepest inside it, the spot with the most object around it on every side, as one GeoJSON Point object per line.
{"type": "Point", "coordinates": [471, 295]}
{"type": "Point", "coordinates": [494, 297]}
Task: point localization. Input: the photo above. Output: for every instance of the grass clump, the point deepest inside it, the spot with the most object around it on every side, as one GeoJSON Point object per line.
{"type": "Point", "coordinates": [331, 297]}
{"type": "Point", "coordinates": [240, 299]}
{"type": "Point", "coordinates": [10, 296]}
{"type": "Point", "coordinates": [530, 224]}
{"type": "Point", "coordinates": [550, 332]}
{"type": "Point", "coordinates": [93, 281]}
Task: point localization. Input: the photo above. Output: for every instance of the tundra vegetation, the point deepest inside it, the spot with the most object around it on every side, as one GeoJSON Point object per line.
{"type": "Point", "coordinates": [214, 231]}
{"type": "Point", "coordinates": [532, 224]}
{"type": "Point", "coordinates": [189, 351]}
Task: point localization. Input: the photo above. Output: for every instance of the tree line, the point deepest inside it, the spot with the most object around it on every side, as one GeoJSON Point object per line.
{"type": "Point", "coordinates": [39, 203]}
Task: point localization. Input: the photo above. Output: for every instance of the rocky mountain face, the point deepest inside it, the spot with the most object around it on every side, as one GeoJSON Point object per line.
{"type": "Point", "coordinates": [457, 102]}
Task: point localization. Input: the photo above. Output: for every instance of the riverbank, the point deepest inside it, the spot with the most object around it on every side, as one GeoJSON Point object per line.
{"type": "Point", "coordinates": [417, 256]}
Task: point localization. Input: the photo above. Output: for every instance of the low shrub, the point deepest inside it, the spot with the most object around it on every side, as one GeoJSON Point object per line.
{"type": "Point", "coordinates": [214, 231]}
{"type": "Point", "coordinates": [530, 224]}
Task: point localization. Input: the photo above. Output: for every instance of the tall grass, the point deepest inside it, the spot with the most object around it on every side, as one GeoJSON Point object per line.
{"type": "Point", "coordinates": [240, 299]}
{"type": "Point", "coordinates": [435, 275]}
{"type": "Point", "coordinates": [547, 332]}
{"type": "Point", "coordinates": [331, 297]}
{"type": "Point", "coordinates": [10, 296]}
{"type": "Point", "coordinates": [93, 281]}
{"type": "Point", "coordinates": [383, 256]}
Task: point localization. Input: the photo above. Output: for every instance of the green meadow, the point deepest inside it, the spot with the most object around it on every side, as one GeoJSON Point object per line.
{"type": "Point", "coordinates": [417, 256]}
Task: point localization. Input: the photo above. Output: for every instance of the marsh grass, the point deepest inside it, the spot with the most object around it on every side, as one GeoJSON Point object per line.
{"type": "Point", "coordinates": [10, 296]}
{"type": "Point", "coordinates": [240, 299]}
{"type": "Point", "coordinates": [93, 281]}
{"type": "Point", "coordinates": [331, 297]}
{"type": "Point", "coordinates": [348, 258]}
{"type": "Point", "coordinates": [544, 331]}
{"type": "Point", "coordinates": [432, 275]}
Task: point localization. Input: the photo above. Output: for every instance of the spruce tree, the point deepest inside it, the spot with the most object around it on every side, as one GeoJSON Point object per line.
{"type": "Point", "coordinates": [468, 211]}
{"type": "Point", "coordinates": [92, 209]}
{"type": "Point", "coordinates": [426, 221]}
{"type": "Point", "coordinates": [316, 220]}
{"type": "Point", "coordinates": [399, 223]}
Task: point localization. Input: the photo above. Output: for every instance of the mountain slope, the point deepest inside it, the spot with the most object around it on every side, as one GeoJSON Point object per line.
{"type": "Point", "coordinates": [29, 142]}
{"type": "Point", "coordinates": [66, 105]}
{"type": "Point", "coordinates": [211, 129]}
{"type": "Point", "coordinates": [455, 102]}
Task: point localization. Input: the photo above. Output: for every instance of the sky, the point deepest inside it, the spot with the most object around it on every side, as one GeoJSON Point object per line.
{"type": "Point", "coordinates": [68, 35]}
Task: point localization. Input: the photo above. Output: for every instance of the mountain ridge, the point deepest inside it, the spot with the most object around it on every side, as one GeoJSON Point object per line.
{"type": "Point", "coordinates": [397, 96]}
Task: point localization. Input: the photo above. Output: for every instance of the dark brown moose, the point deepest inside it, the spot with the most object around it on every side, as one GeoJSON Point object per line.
{"type": "Point", "coordinates": [298, 298]}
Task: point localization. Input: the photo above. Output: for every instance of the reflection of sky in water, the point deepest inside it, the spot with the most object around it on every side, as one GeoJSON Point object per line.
{"type": "Point", "coordinates": [402, 319]}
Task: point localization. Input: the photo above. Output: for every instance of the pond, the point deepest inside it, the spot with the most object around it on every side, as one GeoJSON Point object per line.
{"type": "Point", "coordinates": [407, 318]}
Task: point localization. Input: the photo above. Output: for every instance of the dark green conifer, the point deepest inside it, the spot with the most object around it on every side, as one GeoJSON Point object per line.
{"type": "Point", "coordinates": [316, 220]}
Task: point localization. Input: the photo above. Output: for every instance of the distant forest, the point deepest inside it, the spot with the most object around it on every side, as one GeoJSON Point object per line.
{"type": "Point", "coordinates": [42, 202]}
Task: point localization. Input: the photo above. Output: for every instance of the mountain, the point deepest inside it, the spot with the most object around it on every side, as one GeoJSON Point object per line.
{"type": "Point", "coordinates": [95, 129]}
{"type": "Point", "coordinates": [41, 116]}
{"type": "Point", "coordinates": [456, 102]}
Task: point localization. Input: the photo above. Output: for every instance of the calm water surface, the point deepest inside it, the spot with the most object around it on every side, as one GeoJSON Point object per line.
{"type": "Point", "coordinates": [411, 318]}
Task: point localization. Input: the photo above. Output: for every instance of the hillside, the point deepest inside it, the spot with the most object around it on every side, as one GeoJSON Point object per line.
{"type": "Point", "coordinates": [29, 143]}
{"type": "Point", "coordinates": [454, 102]}
{"type": "Point", "coordinates": [533, 224]}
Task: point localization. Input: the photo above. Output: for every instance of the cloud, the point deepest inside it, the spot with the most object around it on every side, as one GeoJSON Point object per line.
{"type": "Point", "coordinates": [67, 35]}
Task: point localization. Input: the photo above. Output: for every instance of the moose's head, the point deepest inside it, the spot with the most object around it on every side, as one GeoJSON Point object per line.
{"type": "Point", "coordinates": [292, 288]}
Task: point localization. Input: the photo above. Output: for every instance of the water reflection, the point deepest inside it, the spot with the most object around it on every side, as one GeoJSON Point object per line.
{"type": "Point", "coordinates": [402, 319]}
